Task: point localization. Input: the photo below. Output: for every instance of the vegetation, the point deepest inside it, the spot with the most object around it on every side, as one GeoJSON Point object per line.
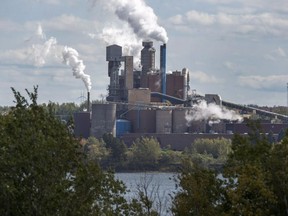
{"type": "Point", "coordinates": [209, 153]}
{"type": "Point", "coordinates": [43, 172]}
{"type": "Point", "coordinates": [254, 181]}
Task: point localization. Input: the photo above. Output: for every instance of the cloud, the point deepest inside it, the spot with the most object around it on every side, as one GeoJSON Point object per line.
{"type": "Point", "coordinates": [263, 23]}
{"type": "Point", "coordinates": [177, 19]}
{"type": "Point", "coordinates": [203, 77]}
{"type": "Point", "coordinates": [275, 54]}
{"type": "Point", "coordinates": [9, 26]}
{"type": "Point", "coordinates": [273, 82]}
{"type": "Point", "coordinates": [68, 23]}
{"type": "Point", "coordinates": [256, 5]}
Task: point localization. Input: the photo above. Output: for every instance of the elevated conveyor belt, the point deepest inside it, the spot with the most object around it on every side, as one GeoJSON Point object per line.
{"type": "Point", "coordinates": [173, 100]}
{"type": "Point", "coordinates": [258, 111]}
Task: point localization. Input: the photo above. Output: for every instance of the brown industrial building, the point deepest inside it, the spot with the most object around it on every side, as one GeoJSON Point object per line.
{"type": "Point", "coordinates": [137, 104]}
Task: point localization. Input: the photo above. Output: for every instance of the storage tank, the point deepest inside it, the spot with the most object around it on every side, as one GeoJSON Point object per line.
{"type": "Point", "coordinates": [123, 126]}
{"type": "Point", "coordinates": [148, 57]}
{"type": "Point", "coordinates": [103, 119]}
{"type": "Point", "coordinates": [142, 120]}
{"type": "Point", "coordinates": [180, 124]}
{"type": "Point", "coordinates": [82, 124]}
{"type": "Point", "coordinates": [163, 121]}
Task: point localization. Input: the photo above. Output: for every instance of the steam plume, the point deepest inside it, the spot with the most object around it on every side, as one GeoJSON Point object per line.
{"type": "Point", "coordinates": [71, 58]}
{"type": "Point", "coordinates": [211, 112]}
{"type": "Point", "coordinates": [131, 44]}
{"type": "Point", "coordinates": [141, 19]}
{"type": "Point", "coordinates": [41, 51]}
{"type": "Point", "coordinates": [139, 16]}
{"type": "Point", "coordinates": [42, 48]}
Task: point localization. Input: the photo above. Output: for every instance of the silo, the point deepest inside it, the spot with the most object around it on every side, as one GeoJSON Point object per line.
{"type": "Point", "coordinates": [82, 124]}
{"type": "Point", "coordinates": [163, 121]}
{"type": "Point", "coordinates": [180, 123]}
{"type": "Point", "coordinates": [103, 119]}
{"type": "Point", "coordinates": [142, 120]}
{"type": "Point", "coordinates": [123, 126]}
{"type": "Point", "coordinates": [147, 57]}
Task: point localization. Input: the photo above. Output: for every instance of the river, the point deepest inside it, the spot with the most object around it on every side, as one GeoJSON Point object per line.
{"type": "Point", "coordinates": [159, 187]}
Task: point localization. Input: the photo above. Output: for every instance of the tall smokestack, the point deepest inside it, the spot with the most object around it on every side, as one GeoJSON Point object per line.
{"type": "Point", "coordinates": [163, 68]}
{"type": "Point", "coordinates": [88, 102]}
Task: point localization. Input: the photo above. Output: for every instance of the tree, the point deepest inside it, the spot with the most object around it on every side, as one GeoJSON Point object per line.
{"type": "Point", "coordinates": [254, 182]}
{"type": "Point", "coordinates": [200, 192]}
{"type": "Point", "coordinates": [118, 151]}
{"type": "Point", "coordinates": [42, 170]}
{"type": "Point", "coordinates": [209, 152]}
{"type": "Point", "coordinates": [145, 153]}
{"type": "Point", "coordinates": [96, 150]}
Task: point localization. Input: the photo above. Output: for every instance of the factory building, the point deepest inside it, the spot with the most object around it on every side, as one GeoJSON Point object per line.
{"type": "Point", "coordinates": [137, 104]}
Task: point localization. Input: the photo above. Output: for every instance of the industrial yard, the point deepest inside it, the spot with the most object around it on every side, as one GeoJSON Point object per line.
{"type": "Point", "coordinates": [154, 103]}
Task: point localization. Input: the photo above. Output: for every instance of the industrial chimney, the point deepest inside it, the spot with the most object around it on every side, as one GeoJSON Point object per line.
{"type": "Point", "coordinates": [88, 102]}
{"type": "Point", "coordinates": [163, 68]}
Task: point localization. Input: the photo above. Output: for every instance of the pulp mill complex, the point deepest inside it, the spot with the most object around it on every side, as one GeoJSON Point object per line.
{"type": "Point", "coordinates": [150, 102]}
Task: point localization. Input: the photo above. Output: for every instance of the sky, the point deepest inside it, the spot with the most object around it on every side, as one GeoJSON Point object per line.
{"type": "Point", "coordinates": [234, 48]}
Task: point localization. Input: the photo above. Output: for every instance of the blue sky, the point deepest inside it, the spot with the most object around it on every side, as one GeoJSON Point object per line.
{"type": "Point", "coordinates": [235, 48]}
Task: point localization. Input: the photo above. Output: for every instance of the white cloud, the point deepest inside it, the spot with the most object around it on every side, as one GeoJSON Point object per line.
{"type": "Point", "coordinates": [264, 23]}
{"type": "Point", "coordinates": [177, 19]}
{"type": "Point", "coordinates": [9, 26]}
{"type": "Point", "coordinates": [273, 82]}
{"type": "Point", "coordinates": [203, 77]}
{"type": "Point", "coordinates": [230, 65]}
{"type": "Point", "coordinates": [67, 22]}
{"type": "Point", "coordinates": [275, 54]}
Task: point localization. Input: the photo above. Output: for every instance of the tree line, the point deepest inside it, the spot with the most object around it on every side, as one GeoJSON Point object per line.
{"type": "Point", "coordinates": [44, 170]}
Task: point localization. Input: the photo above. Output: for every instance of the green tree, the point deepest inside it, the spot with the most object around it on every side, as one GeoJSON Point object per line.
{"type": "Point", "coordinates": [42, 170]}
{"type": "Point", "coordinates": [96, 150]}
{"type": "Point", "coordinates": [209, 152]}
{"type": "Point", "coordinates": [254, 182]}
{"type": "Point", "coordinates": [200, 192]}
{"type": "Point", "coordinates": [118, 152]}
{"type": "Point", "coordinates": [145, 153]}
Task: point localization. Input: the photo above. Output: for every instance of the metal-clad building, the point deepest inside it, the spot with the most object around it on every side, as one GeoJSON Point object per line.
{"type": "Point", "coordinates": [103, 119]}
{"type": "Point", "coordinates": [82, 124]}
{"type": "Point", "coordinates": [180, 123]}
{"type": "Point", "coordinates": [163, 121]}
{"type": "Point", "coordinates": [142, 120]}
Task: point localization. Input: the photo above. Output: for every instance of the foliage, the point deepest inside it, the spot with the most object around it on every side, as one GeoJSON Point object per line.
{"type": "Point", "coordinates": [254, 182]}
{"type": "Point", "coordinates": [96, 150]}
{"type": "Point", "coordinates": [118, 151]}
{"type": "Point", "coordinates": [200, 192]}
{"type": "Point", "coordinates": [42, 171]}
{"type": "Point", "coordinates": [209, 152]}
{"type": "Point", "coordinates": [145, 153]}
{"type": "Point", "coordinates": [170, 160]}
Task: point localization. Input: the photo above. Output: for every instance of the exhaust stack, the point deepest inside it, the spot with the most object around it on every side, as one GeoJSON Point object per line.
{"type": "Point", "coordinates": [88, 102]}
{"type": "Point", "coordinates": [163, 68]}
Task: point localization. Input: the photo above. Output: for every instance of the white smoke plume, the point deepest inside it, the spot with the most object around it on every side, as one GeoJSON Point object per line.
{"type": "Point", "coordinates": [211, 112]}
{"type": "Point", "coordinates": [140, 17]}
{"type": "Point", "coordinates": [130, 43]}
{"type": "Point", "coordinates": [40, 52]}
{"type": "Point", "coordinates": [42, 49]}
{"type": "Point", "coordinates": [71, 58]}
{"type": "Point", "coordinates": [39, 32]}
